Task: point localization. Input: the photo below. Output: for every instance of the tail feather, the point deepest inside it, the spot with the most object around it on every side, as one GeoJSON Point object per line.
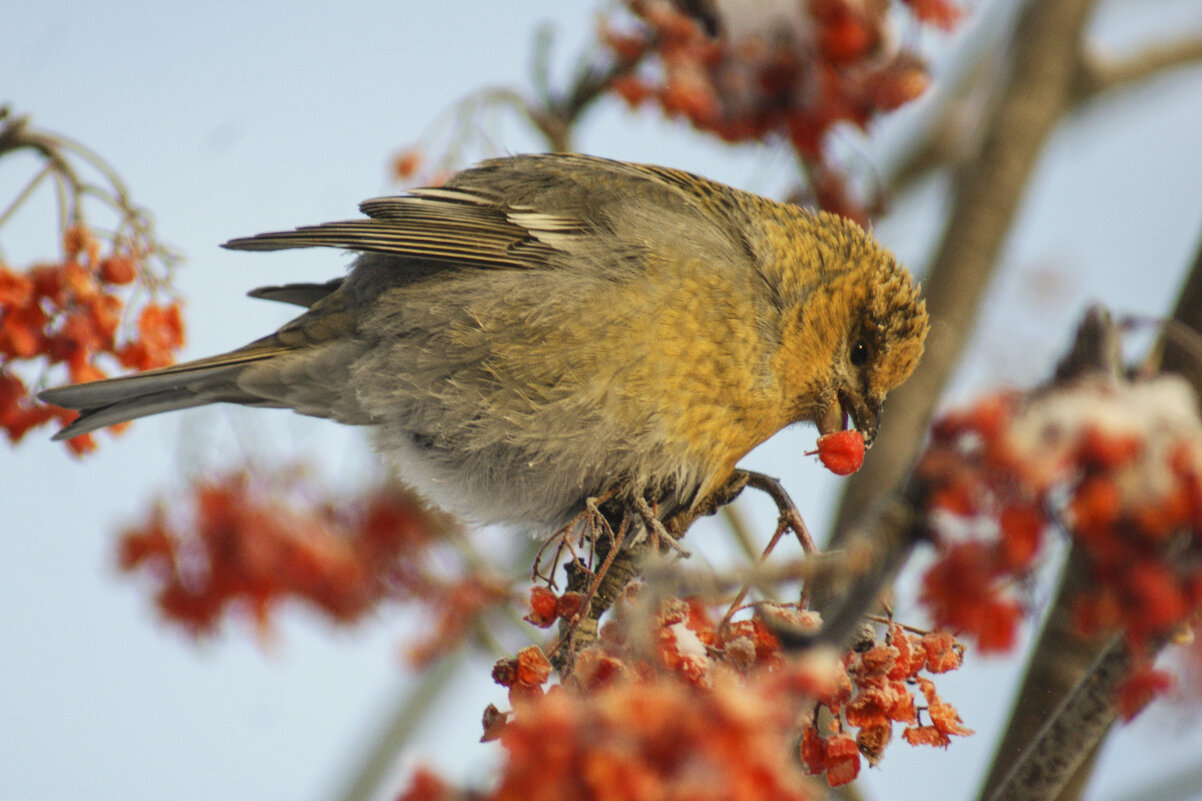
{"type": "Point", "coordinates": [303, 366]}
{"type": "Point", "coordinates": [181, 386]}
{"type": "Point", "coordinates": [297, 294]}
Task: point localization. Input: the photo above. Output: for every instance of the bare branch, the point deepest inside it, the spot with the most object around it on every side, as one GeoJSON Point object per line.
{"type": "Point", "coordinates": [1059, 661]}
{"type": "Point", "coordinates": [674, 578]}
{"type": "Point", "coordinates": [888, 539]}
{"type": "Point", "coordinates": [409, 711]}
{"type": "Point", "coordinates": [16, 134]}
{"type": "Point", "coordinates": [1072, 731]}
{"type": "Point", "coordinates": [1098, 74]}
{"type": "Point", "coordinates": [1178, 355]}
{"type": "Point", "coordinates": [951, 128]}
{"type": "Point", "coordinates": [66, 162]}
{"type": "Point", "coordinates": [556, 119]}
{"type": "Point", "coordinates": [705, 12]}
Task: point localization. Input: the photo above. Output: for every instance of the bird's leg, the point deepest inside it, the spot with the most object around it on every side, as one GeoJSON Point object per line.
{"type": "Point", "coordinates": [562, 537]}
{"type": "Point", "coordinates": [616, 560]}
{"type": "Point", "coordinates": [617, 566]}
{"type": "Point", "coordinates": [680, 522]}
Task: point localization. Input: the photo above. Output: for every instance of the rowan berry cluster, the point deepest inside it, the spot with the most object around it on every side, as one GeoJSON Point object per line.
{"type": "Point", "coordinates": [70, 314]}
{"type": "Point", "coordinates": [1117, 466]}
{"type": "Point", "coordinates": [770, 74]}
{"type": "Point", "coordinates": [242, 543]}
{"type": "Point", "coordinates": [107, 300]}
{"type": "Point", "coordinates": [684, 665]}
{"type": "Point", "coordinates": [876, 691]}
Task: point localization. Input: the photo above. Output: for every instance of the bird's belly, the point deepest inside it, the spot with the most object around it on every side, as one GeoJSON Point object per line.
{"type": "Point", "coordinates": [543, 486]}
{"type": "Point", "coordinates": [505, 420]}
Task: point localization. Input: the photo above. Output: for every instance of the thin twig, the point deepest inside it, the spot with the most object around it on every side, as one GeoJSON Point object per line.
{"type": "Point", "coordinates": [586, 608]}
{"type": "Point", "coordinates": [29, 189]}
{"type": "Point", "coordinates": [409, 711]}
{"type": "Point", "coordinates": [788, 510]}
{"type": "Point", "coordinates": [781, 528]}
{"type": "Point", "coordinates": [739, 529]}
{"type": "Point", "coordinates": [657, 527]}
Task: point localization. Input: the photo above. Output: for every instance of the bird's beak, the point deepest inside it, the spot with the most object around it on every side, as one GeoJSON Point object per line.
{"type": "Point", "coordinates": [833, 418]}
{"type": "Point", "coordinates": [864, 415]}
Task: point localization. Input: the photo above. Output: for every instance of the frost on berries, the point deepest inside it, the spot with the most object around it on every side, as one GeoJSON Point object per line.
{"type": "Point", "coordinates": [877, 692]}
{"type": "Point", "coordinates": [656, 738]}
{"type": "Point", "coordinates": [697, 690]}
{"type": "Point", "coordinates": [1116, 466]}
{"type": "Point", "coordinates": [686, 719]}
{"type": "Point", "coordinates": [777, 71]}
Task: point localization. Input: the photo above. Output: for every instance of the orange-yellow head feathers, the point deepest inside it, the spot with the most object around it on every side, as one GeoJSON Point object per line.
{"type": "Point", "coordinates": [853, 327]}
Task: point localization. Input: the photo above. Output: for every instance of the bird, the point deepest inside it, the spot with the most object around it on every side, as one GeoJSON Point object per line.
{"type": "Point", "coordinates": [541, 329]}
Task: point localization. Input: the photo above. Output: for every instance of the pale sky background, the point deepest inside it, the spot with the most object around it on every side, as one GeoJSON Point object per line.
{"type": "Point", "coordinates": [227, 119]}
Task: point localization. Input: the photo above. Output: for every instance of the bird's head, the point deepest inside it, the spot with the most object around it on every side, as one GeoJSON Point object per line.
{"type": "Point", "coordinates": [879, 351]}
{"type": "Point", "coordinates": [882, 341]}
{"type": "Point", "coordinates": [857, 332]}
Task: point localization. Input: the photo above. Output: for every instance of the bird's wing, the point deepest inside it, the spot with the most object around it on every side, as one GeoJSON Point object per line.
{"type": "Point", "coordinates": [529, 211]}
{"type": "Point", "coordinates": [439, 224]}
{"type": "Point", "coordinates": [634, 209]}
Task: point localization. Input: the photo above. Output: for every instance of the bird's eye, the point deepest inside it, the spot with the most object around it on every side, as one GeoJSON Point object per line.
{"type": "Point", "coordinates": [859, 354]}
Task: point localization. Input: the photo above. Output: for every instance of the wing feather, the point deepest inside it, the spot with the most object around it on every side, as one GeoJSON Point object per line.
{"type": "Point", "coordinates": [441, 224]}
{"type": "Point", "coordinates": [535, 212]}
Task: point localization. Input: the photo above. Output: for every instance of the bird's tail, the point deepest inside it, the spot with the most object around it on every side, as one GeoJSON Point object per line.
{"type": "Point", "coordinates": [255, 375]}
{"type": "Point", "coordinates": [180, 386]}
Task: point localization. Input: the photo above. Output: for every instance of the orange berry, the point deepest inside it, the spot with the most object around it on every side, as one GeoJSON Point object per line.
{"type": "Point", "coordinates": [542, 607]}
{"type": "Point", "coordinates": [569, 604]}
{"type": "Point", "coordinates": [118, 270]}
{"type": "Point", "coordinates": [1022, 531]}
{"type": "Point", "coordinates": [631, 88]}
{"type": "Point", "coordinates": [533, 667]}
{"type": "Point", "coordinates": [407, 163]}
{"type": "Point", "coordinates": [1104, 449]}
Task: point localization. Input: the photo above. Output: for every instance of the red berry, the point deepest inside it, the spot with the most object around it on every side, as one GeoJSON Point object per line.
{"type": "Point", "coordinates": [842, 452]}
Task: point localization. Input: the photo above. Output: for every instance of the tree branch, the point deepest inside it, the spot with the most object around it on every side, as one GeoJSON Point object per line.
{"type": "Point", "coordinates": [555, 117]}
{"type": "Point", "coordinates": [986, 197]}
{"type": "Point", "coordinates": [1098, 74]}
{"type": "Point", "coordinates": [948, 136]}
{"type": "Point", "coordinates": [1072, 730]}
{"type": "Point", "coordinates": [1179, 354]}
{"type": "Point", "coordinates": [408, 712]}
{"type": "Point", "coordinates": [1062, 658]}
